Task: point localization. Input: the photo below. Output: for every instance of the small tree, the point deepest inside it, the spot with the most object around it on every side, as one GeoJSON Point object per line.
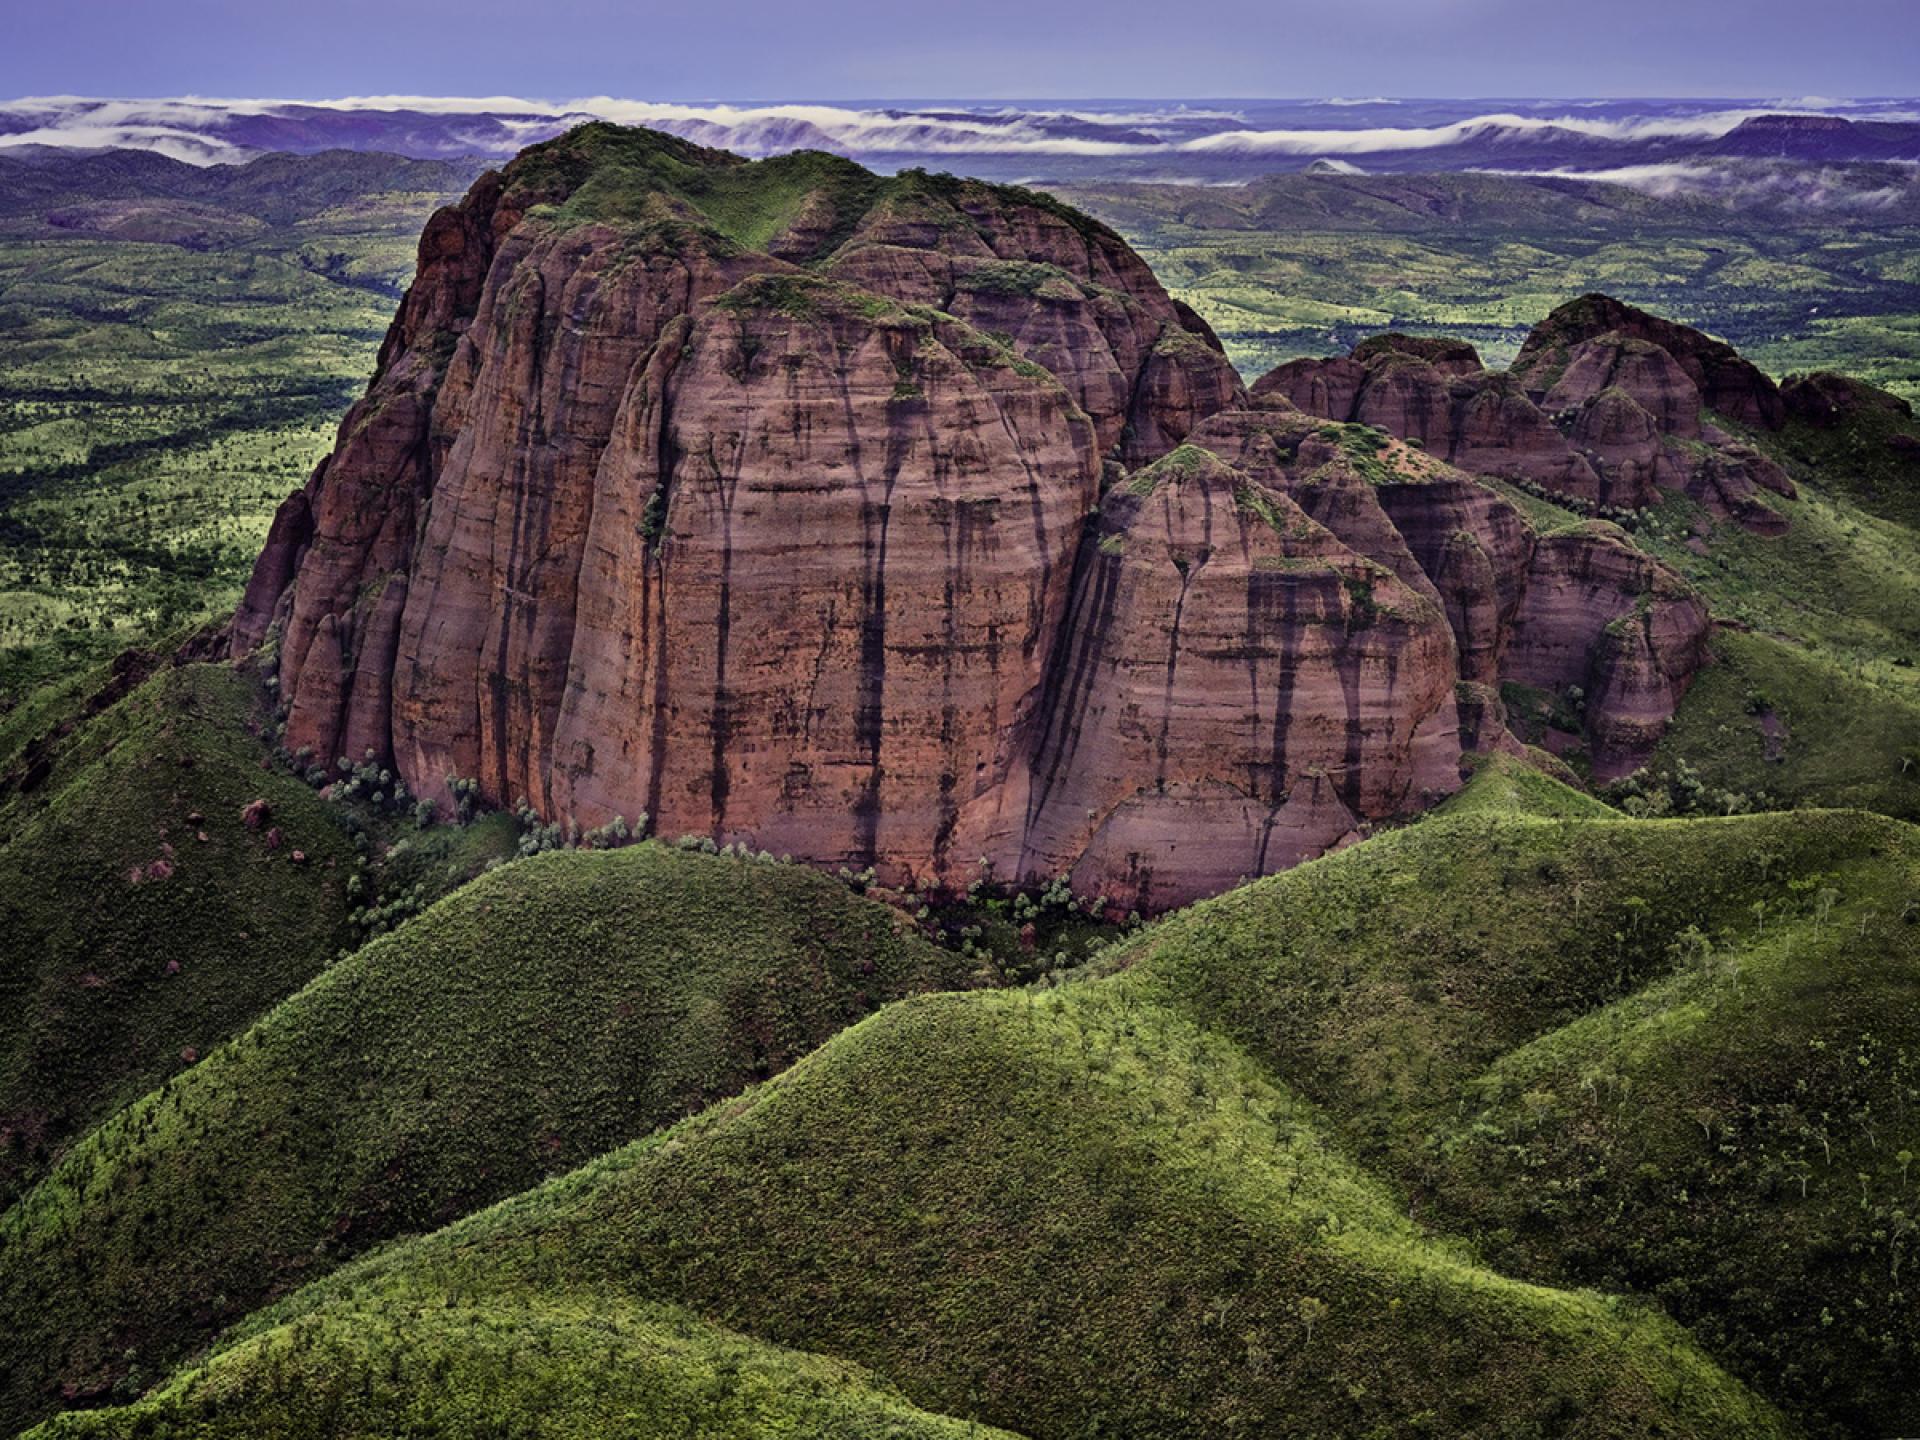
{"type": "Point", "coordinates": [1311, 1310]}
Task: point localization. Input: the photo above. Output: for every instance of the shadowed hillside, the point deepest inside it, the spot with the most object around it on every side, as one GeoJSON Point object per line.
{"type": "Point", "coordinates": [543, 1014]}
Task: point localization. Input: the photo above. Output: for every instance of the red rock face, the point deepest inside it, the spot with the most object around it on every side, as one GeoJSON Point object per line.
{"type": "Point", "coordinates": [1581, 609]}
{"type": "Point", "coordinates": [835, 645]}
{"type": "Point", "coordinates": [1073, 299]}
{"type": "Point", "coordinates": [768, 500]}
{"type": "Point", "coordinates": [1637, 371]}
{"type": "Point", "coordinates": [1478, 421]}
{"type": "Point", "coordinates": [1631, 660]}
{"type": "Point", "coordinates": [484, 640]}
{"type": "Point", "coordinates": [1726, 383]}
{"type": "Point", "coordinates": [1600, 415]}
{"type": "Point", "coordinates": [1328, 388]}
{"type": "Point", "coordinates": [635, 517]}
{"type": "Point", "coordinates": [1239, 691]}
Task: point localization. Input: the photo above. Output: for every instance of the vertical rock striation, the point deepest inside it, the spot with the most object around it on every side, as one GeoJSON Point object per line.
{"type": "Point", "coordinates": [908, 522]}
{"type": "Point", "coordinates": [1605, 407]}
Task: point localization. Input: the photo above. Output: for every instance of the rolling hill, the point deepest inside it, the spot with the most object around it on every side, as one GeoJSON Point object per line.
{"type": "Point", "coordinates": [1225, 1177]}
{"type": "Point", "coordinates": [542, 1014]}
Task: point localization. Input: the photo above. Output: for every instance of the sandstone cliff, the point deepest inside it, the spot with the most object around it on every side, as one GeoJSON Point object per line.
{"type": "Point", "coordinates": [1605, 407]}
{"type": "Point", "coordinates": [907, 521]}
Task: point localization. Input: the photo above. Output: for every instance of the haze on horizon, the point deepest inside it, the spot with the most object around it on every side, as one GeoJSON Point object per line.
{"type": "Point", "coordinates": [1026, 49]}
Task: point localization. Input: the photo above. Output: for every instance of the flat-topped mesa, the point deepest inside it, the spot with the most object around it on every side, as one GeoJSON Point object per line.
{"type": "Point", "coordinates": [748, 495]}
{"type": "Point", "coordinates": [1605, 407]}
{"type": "Point", "coordinates": [849, 517]}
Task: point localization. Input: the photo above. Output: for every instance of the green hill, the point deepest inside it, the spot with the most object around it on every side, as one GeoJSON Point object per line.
{"type": "Point", "coordinates": [1772, 718]}
{"type": "Point", "coordinates": [584, 1367]}
{"type": "Point", "coordinates": [163, 882]}
{"type": "Point", "coordinates": [1653, 1056]}
{"type": "Point", "coordinates": [1736, 1142]}
{"type": "Point", "coordinates": [144, 920]}
{"type": "Point", "coordinates": [1507, 787]}
{"type": "Point", "coordinates": [548, 1011]}
{"type": "Point", "coordinates": [1662, 1073]}
{"type": "Point", "coordinates": [1065, 1210]}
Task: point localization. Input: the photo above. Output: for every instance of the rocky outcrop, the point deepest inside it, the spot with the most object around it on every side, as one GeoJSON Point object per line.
{"type": "Point", "coordinates": [1824, 399]}
{"type": "Point", "coordinates": [1557, 613]}
{"type": "Point", "coordinates": [1238, 691]}
{"type": "Point", "coordinates": [1604, 409]}
{"type": "Point", "coordinates": [904, 522]}
{"type": "Point", "coordinates": [746, 496]}
{"type": "Point", "coordinates": [1449, 357]}
{"type": "Point", "coordinates": [1602, 618]}
{"type": "Point", "coordinates": [835, 644]}
{"type": "Point", "coordinates": [1473, 419]}
{"type": "Point", "coordinates": [1727, 384]}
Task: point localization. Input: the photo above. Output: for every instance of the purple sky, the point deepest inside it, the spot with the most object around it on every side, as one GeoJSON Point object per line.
{"type": "Point", "coordinates": [877, 49]}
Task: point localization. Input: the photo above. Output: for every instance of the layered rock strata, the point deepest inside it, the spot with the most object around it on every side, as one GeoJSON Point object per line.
{"type": "Point", "coordinates": [1605, 407]}
{"type": "Point", "coordinates": [906, 522]}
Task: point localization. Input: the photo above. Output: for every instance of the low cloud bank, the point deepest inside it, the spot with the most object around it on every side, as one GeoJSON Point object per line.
{"type": "Point", "coordinates": [207, 130]}
{"type": "Point", "coordinates": [1756, 184]}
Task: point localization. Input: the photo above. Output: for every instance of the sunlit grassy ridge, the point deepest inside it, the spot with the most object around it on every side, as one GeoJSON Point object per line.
{"type": "Point", "coordinates": [546, 1012]}
{"type": "Point", "coordinates": [1506, 787]}
{"type": "Point", "coordinates": [1614, 1050]}
{"type": "Point", "coordinates": [1142, 1197]}
{"type": "Point", "coordinates": [1206, 1189]}
{"type": "Point", "coordinates": [1736, 1141]}
{"type": "Point", "coordinates": [1072, 1212]}
{"type": "Point", "coordinates": [163, 882]}
{"type": "Point", "coordinates": [568, 1364]}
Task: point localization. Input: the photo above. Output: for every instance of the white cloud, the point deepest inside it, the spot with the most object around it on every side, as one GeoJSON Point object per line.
{"type": "Point", "coordinates": [1708, 125]}
{"type": "Point", "coordinates": [1819, 188]}
{"type": "Point", "coordinates": [190, 127]}
{"type": "Point", "coordinates": [194, 149]}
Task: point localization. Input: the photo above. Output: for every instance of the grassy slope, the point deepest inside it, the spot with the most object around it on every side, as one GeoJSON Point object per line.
{"type": "Point", "coordinates": [111, 983]}
{"type": "Point", "coordinates": [1775, 717]}
{"type": "Point", "coordinates": [1505, 786]}
{"type": "Point", "coordinates": [94, 1017]}
{"type": "Point", "coordinates": [1737, 1142]}
{"type": "Point", "coordinates": [550, 1010]}
{"type": "Point", "coordinates": [1835, 603]}
{"type": "Point", "coordinates": [585, 1368]}
{"type": "Point", "coordinates": [1067, 1211]}
{"type": "Point", "coordinates": [1383, 978]}
{"type": "Point", "coordinates": [1842, 580]}
{"type": "Point", "coordinates": [1100, 1205]}
{"type": "Point", "coordinates": [1389, 982]}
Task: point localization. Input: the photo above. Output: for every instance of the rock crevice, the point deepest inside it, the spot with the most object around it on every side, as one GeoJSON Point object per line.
{"type": "Point", "coordinates": [909, 522]}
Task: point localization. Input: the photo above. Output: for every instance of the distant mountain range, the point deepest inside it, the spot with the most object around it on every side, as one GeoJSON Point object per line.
{"type": "Point", "coordinates": [1192, 141]}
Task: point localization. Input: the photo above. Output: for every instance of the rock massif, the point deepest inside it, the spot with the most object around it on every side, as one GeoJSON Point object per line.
{"type": "Point", "coordinates": [909, 522]}
{"type": "Point", "coordinates": [1605, 407]}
